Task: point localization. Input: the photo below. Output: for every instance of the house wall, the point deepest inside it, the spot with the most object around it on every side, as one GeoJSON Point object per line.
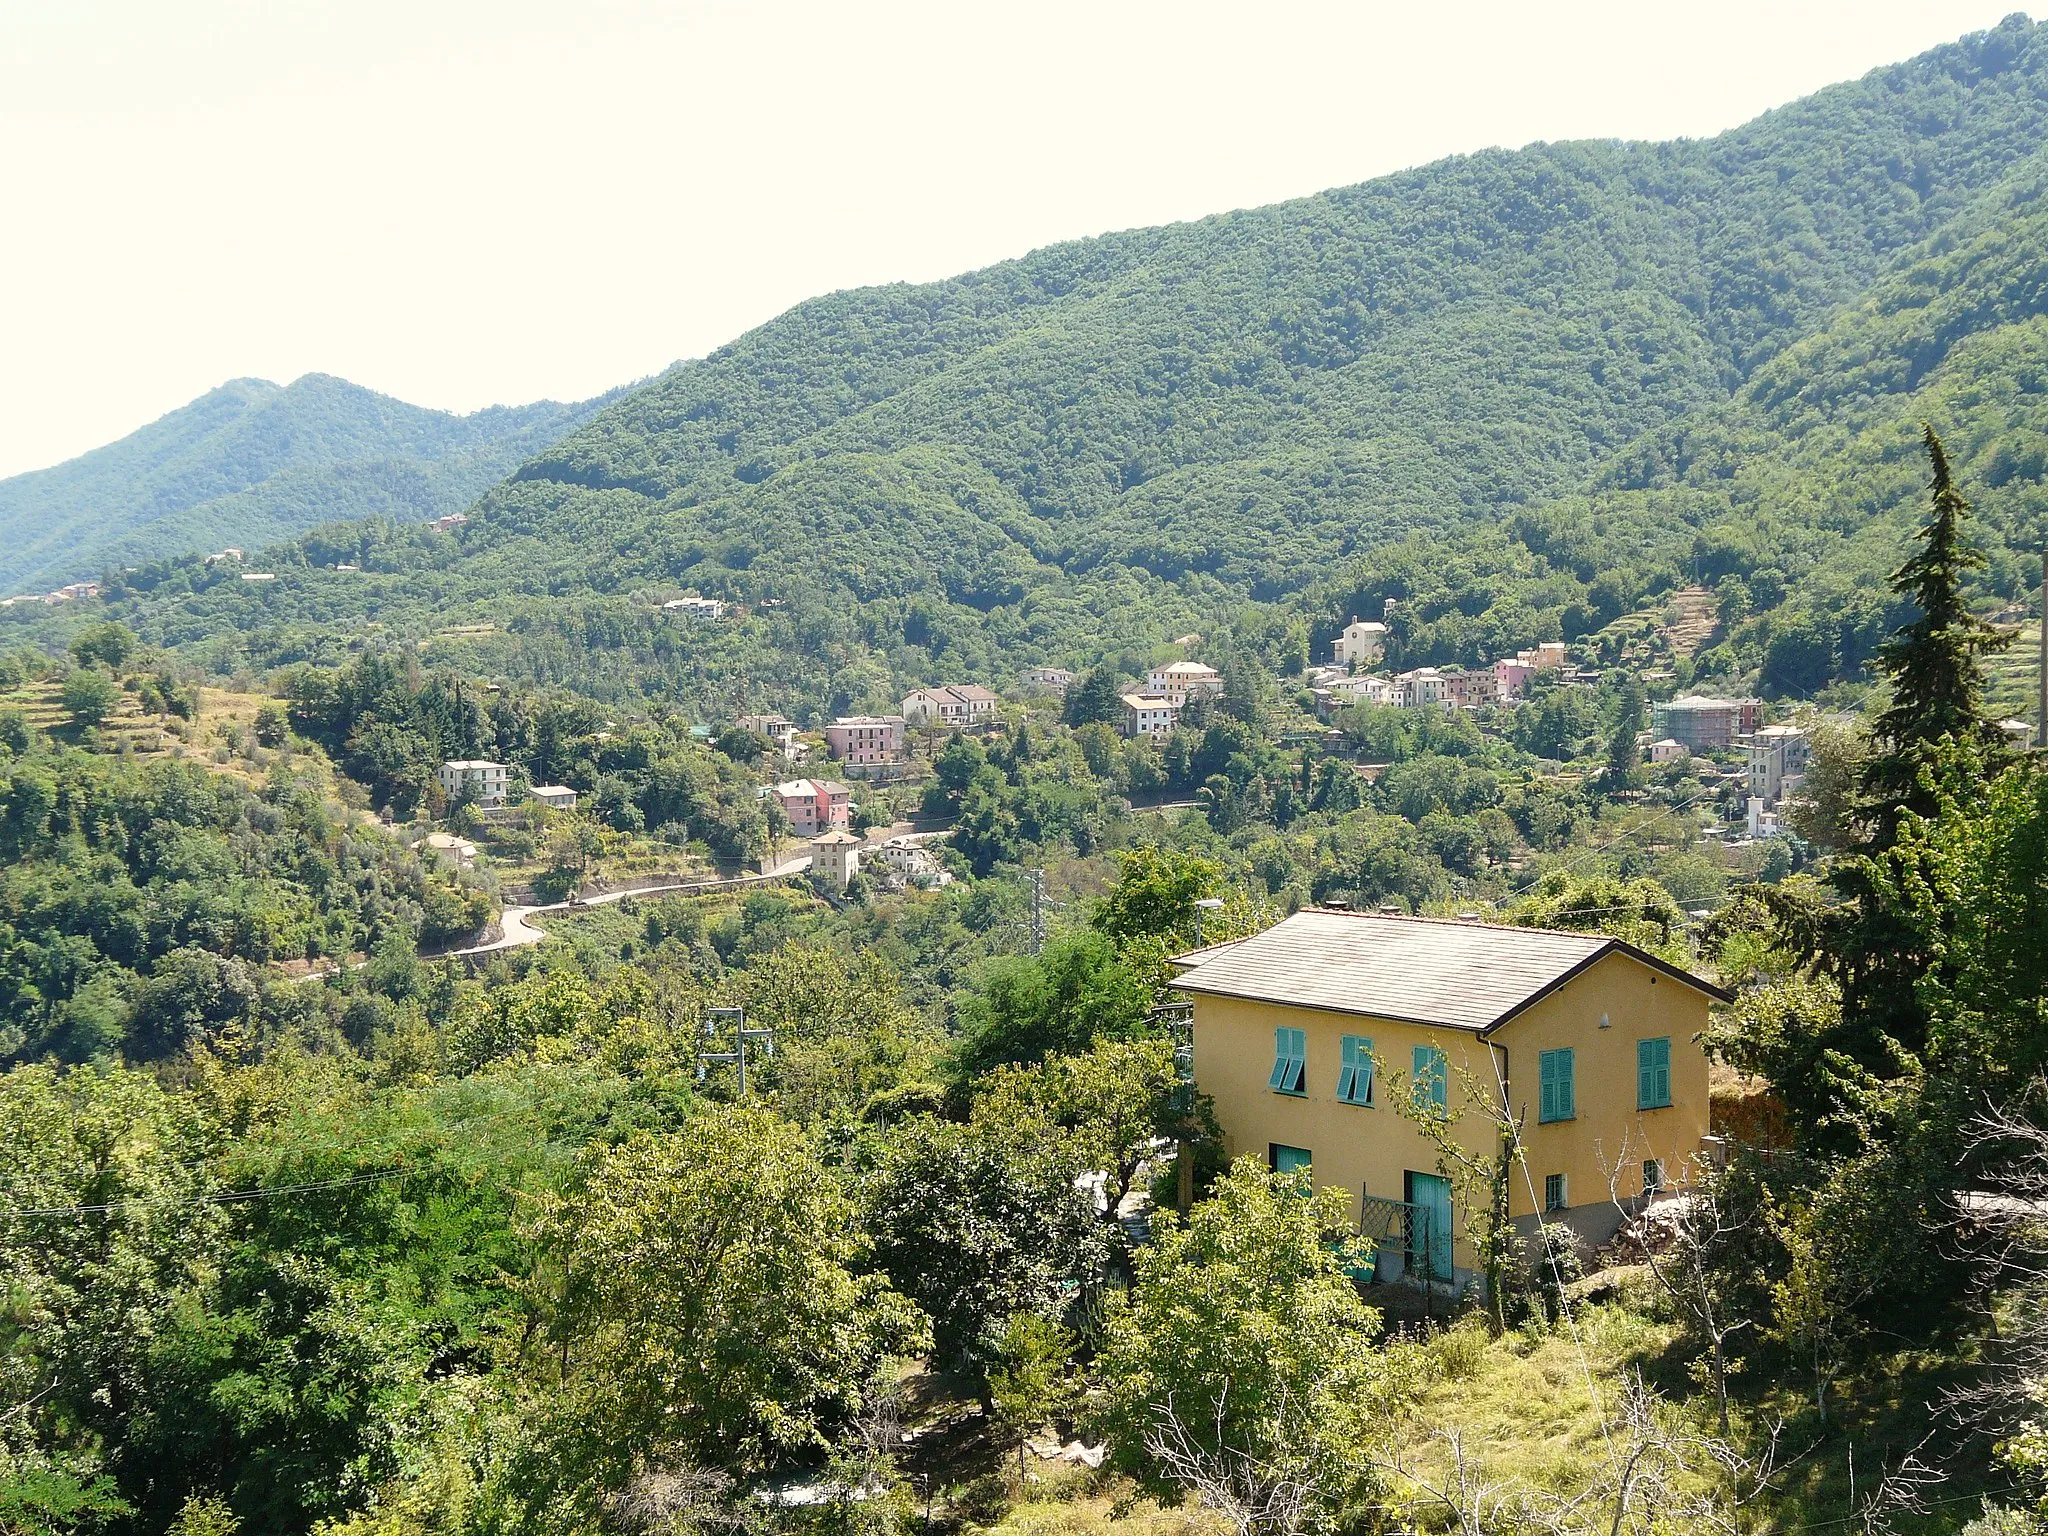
{"type": "Point", "coordinates": [1368, 1149]}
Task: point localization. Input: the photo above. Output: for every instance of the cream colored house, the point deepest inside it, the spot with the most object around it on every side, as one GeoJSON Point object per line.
{"type": "Point", "coordinates": [836, 856]}
{"type": "Point", "coordinates": [1307, 1036]}
{"type": "Point", "coordinates": [1362, 643]}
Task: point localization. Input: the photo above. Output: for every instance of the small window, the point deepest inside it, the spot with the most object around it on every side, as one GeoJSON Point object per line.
{"type": "Point", "coordinates": [1554, 1198]}
{"type": "Point", "coordinates": [1653, 1176]}
{"type": "Point", "coordinates": [1559, 1098]}
{"type": "Point", "coordinates": [1653, 1073]}
{"type": "Point", "coordinates": [1354, 1077]}
{"type": "Point", "coordinates": [1432, 1078]}
{"type": "Point", "coordinates": [1290, 1060]}
{"type": "Point", "coordinates": [1287, 1159]}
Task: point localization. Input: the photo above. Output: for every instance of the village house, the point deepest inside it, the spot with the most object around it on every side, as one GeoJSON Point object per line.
{"type": "Point", "coordinates": [1426, 686]}
{"type": "Point", "coordinates": [1362, 643]}
{"type": "Point", "coordinates": [958, 706]}
{"type": "Point", "coordinates": [484, 782]}
{"type": "Point", "coordinates": [1469, 690]}
{"type": "Point", "coordinates": [553, 797]}
{"type": "Point", "coordinates": [691, 606]}
{"type": "Point", "coordinates": [459, 851]}
{"type": "Point", "coordinates": [863, 740]}
{"type": "Point", "coordinates": [1147, 715]}
{"type": "Point", "coordinates": [835, 856]}
{"type": "Point", "coordinates": [1705, 724]}
{"type": "Point", "coordinates": [814, 806]}
{"type": "Point", "coordinates": [1053, 679]}
{"type": "Point", "coordinates": [779, 730]}
{"type": "Point", "coordinates": [1778, 757]}
{"type": "Point", "coordinates": [1309, 1035]}
{"type": "Point", "coordinates": [1178, 680]}
{"type": "Point", "coordinates": [1667, 751]}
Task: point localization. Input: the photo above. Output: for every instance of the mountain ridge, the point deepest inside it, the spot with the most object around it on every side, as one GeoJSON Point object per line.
{"type": "Point", "coordinates": [252, 461]}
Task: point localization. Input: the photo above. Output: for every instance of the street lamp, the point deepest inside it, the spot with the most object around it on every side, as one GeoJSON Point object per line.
{"type": "Point", "coordinates": [1205, 904]}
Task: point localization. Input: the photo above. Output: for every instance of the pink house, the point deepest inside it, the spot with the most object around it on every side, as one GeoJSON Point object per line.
{"type": "Point", "coordinates": [814, 806]}
{"type": "Point", "coordinates": [866, 739]}
{"type": "Point", "coordinates": [1511, 678]}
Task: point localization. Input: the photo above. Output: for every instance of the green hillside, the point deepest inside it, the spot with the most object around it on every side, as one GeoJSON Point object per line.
{"type": "Point", "coordinates": [251, 463]}
{"type": "Point", "coordinates": [1529, 393]}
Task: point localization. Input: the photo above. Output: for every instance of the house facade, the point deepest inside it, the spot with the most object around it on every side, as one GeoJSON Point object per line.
{"type": "Point", "coordinates": [1322, 1039]}
{"type": "Point", "coordinates": [1778, 759]}
{"type": "Point", "coordinates": [555, 797]}
{"type": "Point", "coordinates": [959, 705]}
{"type": "Point", "coordinates": [1362, 643]}
{"type": "Point", "coordinates": [1147, 715]}
{"type": "Point", "coordinates": [866, 739]}
{"type": "Point", "coordinates": [814, 806]}
{"type": "Point", "coordinates": [836, 857]}
{"type": "Point", "coordinates": [1052, 679]}
{"type": "Point", "coordinates": [1177, 680]}
{"type": "Point", "coordinates": [484, 782]}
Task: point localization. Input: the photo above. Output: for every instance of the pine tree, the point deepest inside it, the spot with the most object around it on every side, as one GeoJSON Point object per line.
{"type": "Point", "coordinates": [1933, 737]}
{"type": "Point", "coordinates": [1935, 663]}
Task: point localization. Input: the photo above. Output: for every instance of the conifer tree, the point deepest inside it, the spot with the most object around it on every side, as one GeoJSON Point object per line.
{"type": "Point", "coordinates": [1935, 663]}
{"type": "Point", "coordinates": [1932, 739]}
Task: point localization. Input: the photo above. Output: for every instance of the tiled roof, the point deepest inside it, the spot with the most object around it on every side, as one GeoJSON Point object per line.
{"type": "Point", "coordinates": [1422, 970]}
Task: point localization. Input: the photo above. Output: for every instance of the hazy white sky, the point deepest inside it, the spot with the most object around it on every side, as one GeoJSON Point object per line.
{"type": "Point", "coordinates": [470, 203]}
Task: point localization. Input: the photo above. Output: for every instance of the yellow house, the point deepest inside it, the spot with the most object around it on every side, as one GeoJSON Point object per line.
{"type": "Point", "coordinates": [1308, 1034]}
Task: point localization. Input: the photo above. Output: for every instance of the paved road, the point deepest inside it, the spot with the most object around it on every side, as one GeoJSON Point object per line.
{"type": "Point", "coordinates": [516, 929]}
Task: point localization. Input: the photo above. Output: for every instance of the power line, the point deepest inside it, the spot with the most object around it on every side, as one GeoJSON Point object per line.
{"type": "Point", "coordinates": [226, 1197]}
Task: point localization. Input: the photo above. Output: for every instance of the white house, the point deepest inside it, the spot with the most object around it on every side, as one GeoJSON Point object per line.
{"type": "Point", "coordinates": [695, 607]}
{"type": "Point", "coordinates": [1056, 679]}
{"type": "Point", "coordinates": [459, 851]}
{"type": "Point", "coordinates": [1148, 714]}
{"type": "Point", "coordinates": [482, 781]}
{"type": "Point", "coordinates": [1176, 680]}
{"type": "Point", "coordinates": [1362, 643]}
{"type": "Point", "coordinates": [554, 797]}
{"type": "Point", "coordinates": [1426, 685]}
{"type": "Point", "coordinates": [960, 704]}
{"type": "Point", "coordinates": [1668, 751]}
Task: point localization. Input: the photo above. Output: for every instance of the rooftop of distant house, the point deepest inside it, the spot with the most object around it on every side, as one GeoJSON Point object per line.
{"type": "Point", "coordinates": [1458, 974]}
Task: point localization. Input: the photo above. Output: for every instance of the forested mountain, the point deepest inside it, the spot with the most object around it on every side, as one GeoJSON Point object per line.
{"type": "Point", "coordinates": [1526, 392]}
{"type": "Point", "coordinates": [250, 463]}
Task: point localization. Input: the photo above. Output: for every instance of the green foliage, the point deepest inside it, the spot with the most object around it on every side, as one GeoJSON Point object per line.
{"type": "Point", "coordinates": [1245, 1353]}
{"type": "Point", "coordinates": [135, 900]}
{"type": "Point", "coordinates": [704, 1295]}
{"type": "Point", "coordinates": [251, 462]}
{"type": "Point", "coordinates": [1026, 1008]}
{"type": "Point", "coordinates": [977, 1223]}
{"type": "Point", "coordinates": [89, 696]}
{"type": "Point", "coordinates": [110, 645]}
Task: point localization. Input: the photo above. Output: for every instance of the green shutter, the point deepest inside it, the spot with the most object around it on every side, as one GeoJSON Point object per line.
{"type": "Point", "coordinates": [1432, 1077]}
{"type": "Point", "coordinates": [1290, 1060]}
{"type": "Point", "coordinates": [1290, 1159]}
{"type": "Point", "coordinates": [1653, 1073]}
{"type": "Point", "coordinates": [1354, 1076]}
{"type": "Point", "coordinates": [1558, 1099]}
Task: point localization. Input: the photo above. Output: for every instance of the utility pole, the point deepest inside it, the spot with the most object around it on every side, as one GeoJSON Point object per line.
{"type": "Point", "coordinates": [1037, 911]}
{"type": "Point", "coordinates": [713, 1018]}
{"type": "Point", "coordinates": [2042, 738]}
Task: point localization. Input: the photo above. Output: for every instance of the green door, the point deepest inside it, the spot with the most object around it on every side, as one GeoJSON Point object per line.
{"type": "Point", "coordinates": [1429, 1225]}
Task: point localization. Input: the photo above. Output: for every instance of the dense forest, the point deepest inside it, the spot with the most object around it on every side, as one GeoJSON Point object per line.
{"type": "Point", "coordinates": [251, 463]}
{"type": "Point", "coordinates": [1529, 394]}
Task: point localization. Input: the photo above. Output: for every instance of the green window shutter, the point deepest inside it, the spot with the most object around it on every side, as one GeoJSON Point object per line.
{"type": "Point", "coordinates": [1558, 1099]}
{"type": "Point", "coordinates": [1290, 1159]}
{"type": "Point", "coordinates": [1653, 1073]}
{"type": "Point", "coordinates": [1432, 1077]}
{"type": "Point", "coordinates": [1354, 1076]}
{"type": "Point", "coordinates": [1290, 1060]}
